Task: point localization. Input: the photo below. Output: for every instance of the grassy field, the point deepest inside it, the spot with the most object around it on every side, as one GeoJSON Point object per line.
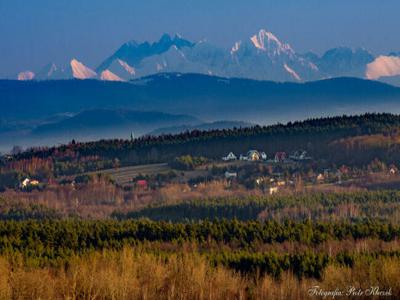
{"type": "Point", "coordinates": [123, 176]}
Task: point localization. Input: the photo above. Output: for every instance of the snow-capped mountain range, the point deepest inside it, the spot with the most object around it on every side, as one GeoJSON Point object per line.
{"type": "Point", "coordinates": [262, 56]}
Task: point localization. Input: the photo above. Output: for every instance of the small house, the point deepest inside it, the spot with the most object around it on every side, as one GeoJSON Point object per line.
{"type": "Point", "coordinates": [230, 156]}
{"type": "Point", "coordinates": [27, 182]}
{"type": "Point", "coordinates": [393, 170]}
{"type": "Point", "coordinates": [253, 155]}
{"type": "Point", "coordinates": [142, 184]}
{"type": "Point", "coordinates": [263, 156]}
{"type": "Point", "coordinates": [281, 182]}
{"type": "Point", "coordinates": [320, 177]}
{"type": "Point", "coordinates": [300, 155]}
{"type": "Point", "coordinates": [230, 175]}
{"type": "Point", "coordinates": [8, 157]}
{"type": "Point", "coordinates": [344, 170]}
{"type": "Point", "coordinates": [260, 180]}
{"type": "Point", "coordinates": [273, 190]}
{"type": "Point", "coordinates": [339, 177]}
{"type": "Point", "coordinates": [243, 157]}
{"type": "Point", "coordinates": [303, 155]}
{"type": "Point", "coordinates": [280, 157]}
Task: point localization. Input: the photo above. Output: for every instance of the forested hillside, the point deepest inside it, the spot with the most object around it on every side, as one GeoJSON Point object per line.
{"type": "Point", "coordinates": [322, 138]}
{"type": "Point", "coordinates": [156, 234]}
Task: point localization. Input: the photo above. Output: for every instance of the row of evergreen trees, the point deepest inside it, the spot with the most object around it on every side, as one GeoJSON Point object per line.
{"type": "Point", "coordinates": [229, 243]}
{"type": "Point", "coordinates": [313, 135]}
{"type": "Point", "coordinates": [55, 237]}
{"type": "Point", "coordinates": [382, 204]}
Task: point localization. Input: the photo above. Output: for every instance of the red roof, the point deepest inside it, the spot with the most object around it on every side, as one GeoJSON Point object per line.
{"type": "Point", "coordinates": [141, 182]}
{"type": "Point", "coordinates": [280, 155]}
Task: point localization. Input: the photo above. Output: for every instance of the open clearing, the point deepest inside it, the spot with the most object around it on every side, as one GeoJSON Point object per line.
{"type": "Point", "coordinates": [124, 175]}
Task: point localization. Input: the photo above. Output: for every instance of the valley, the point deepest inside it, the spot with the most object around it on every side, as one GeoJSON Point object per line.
{"type": "Point", "coordinates": [328, 155]}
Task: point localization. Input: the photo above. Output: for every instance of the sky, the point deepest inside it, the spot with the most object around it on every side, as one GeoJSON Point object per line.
{"type": "Point", "coordinates": [34, 33]}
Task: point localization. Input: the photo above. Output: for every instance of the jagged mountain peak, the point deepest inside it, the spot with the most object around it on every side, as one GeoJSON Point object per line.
{"type": "Point", "coordinates": [80, 71]}
{"type": "Point", "coordinates": [267, 41]}
{"type": "Point", "coordinates": [262, 56]}
{"type": "Point", "coordinates": [110, 76]}
{"type": "Point", "coordinates": [262, 34]}
{"type": "Point", "coordinates": [133, 53]}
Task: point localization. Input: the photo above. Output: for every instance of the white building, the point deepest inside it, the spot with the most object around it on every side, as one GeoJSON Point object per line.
{"type": "Point", "coordinates": [253, 155]}
{"type": "Point", "coordinates": [300, 155]}
{"type": "Point", "coordinates": [243, 157]}
{"type": "Point", "coordinates": [273, 190]}
{"type": "Point", "coordinates": [230, 175]}
{"type": "Point", "coordinates": [27, 182]}
{"type": "Point", "coordinates": [230, 156]}
{"type": "Point", "coordinates": [280, 157]}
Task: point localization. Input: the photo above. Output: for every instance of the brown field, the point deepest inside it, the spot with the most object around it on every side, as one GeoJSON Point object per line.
{"type": "Point", "coordinates": [367, 141]}
{"type": "Point", "coordinates": [134, 274]}
{"type": "Point", "coordinates": [123, 176]}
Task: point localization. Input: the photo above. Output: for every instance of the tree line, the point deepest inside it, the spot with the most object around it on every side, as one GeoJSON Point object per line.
{"type": "Point", "coordinates": [57, 242]}
{"type": "Point", "coordinates": [52, 237]}
{"type": "Point", "coordinates": [381, 204]}
{"type": "Point", "coordinates": [313, 135]}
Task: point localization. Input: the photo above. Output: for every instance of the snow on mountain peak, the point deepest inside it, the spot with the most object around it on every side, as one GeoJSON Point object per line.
{"type": "Point", "coordinates": [26, 75]}
{"type": "Point", "coordinates": [80, 71]}
{"type": "Point", "coordinates": [292, 72]}
{"type": "Point", "coordinates": [110, 76]}
{"type": "Point", "coordinates": [383, 66]}
{"type": "Point", "coordinates": [127, 68]}
{"type": "Point", "coordinates": [270, 36]}
{"type": "Point", "coordinates": [267, 41]}
{"type": "Point", "coordinates": [262, 56]}
{"type": "Point", "coordinates": [53, 69]}
{"type": "Point", "coordinates": [236, 47]}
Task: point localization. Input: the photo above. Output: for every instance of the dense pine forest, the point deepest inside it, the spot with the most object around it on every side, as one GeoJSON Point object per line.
{"type": "Point", "coordinates": [252, 252]}
{"type": "Point", "coordinates": [55, 242]}
{"type": "Point", "coordinates": [351, 206]}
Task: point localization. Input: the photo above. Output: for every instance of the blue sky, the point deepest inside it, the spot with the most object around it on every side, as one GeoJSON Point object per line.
{"type": "Point", "coordinates": [36, 32]}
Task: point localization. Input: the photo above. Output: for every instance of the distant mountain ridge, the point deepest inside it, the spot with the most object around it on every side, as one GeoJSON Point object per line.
{"type": "Point", "coordinates": [88, 124]}
{"type": "Point", "coordinates": [262, 56]}
{"type": "Point", "coordinates": [342, 61]}
{"type": "Point", "coordinates": [101, 119]}
{"type": "Point", "coordinates": [203, 96]}
{"type": "Point", "coordinates": [93, 109]}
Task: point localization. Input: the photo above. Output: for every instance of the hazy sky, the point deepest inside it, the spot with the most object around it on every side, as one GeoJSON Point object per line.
{"type": "Point", "coordinates": [36, 32]}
